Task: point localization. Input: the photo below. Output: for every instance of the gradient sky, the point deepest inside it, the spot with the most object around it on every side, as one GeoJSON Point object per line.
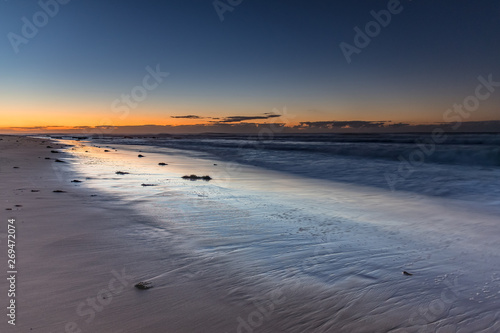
{"type": "Point", "coordinates": [263, 55]}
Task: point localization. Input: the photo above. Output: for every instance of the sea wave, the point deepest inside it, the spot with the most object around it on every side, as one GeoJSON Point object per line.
{"type": "Point", "coordinates": [461, 149]}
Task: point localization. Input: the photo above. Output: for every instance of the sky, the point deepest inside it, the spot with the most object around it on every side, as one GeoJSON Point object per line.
{"type": "Point", "coordinates": [204, 65]}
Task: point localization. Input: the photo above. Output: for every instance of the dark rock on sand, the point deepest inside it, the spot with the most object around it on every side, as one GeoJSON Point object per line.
{"type": "Point", "coordinates": [59, 191]}
{"type": "Point", "coordinates": [149, 185]}
{"type": "Point", "coordinates": [106, 151]}
{"type": "Point", "coordinates": [195, 177]}
{"type": "Point", "coordinates": [140, 155]}
{"type": "Point", "coordinates": [59, 161]}
{"type": "Point", "coordinates": [35, 190]}
{"type": "Point", "coordinates": [143, 285]}
{"type": "Point", "coordinates": [76, 181]}
{"type": "Point", "coordinates": [407, 274]}
{"type": "Point", "coordinates": [121, 173]}
{"type": "Point", "coordinates": [54, 152]}
{"type": "Point", "coordinates": [47, 158]}
{"type": "Point", "coordinates": [161, 163]}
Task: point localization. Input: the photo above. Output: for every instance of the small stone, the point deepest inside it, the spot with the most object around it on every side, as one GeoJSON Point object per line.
{"type": "Point", "coordinates": [143, 285]}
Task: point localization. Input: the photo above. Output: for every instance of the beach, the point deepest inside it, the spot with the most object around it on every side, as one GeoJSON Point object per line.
{"type": "Point", "coordinates": [234, 166]}
{"type": "Point", "coordinates": [73, 248]}
{"type": "Point", "coordinates": [254, 250]}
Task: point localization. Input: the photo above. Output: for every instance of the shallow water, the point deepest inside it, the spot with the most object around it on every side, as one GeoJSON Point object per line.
{"type": "Point", "coordinates": [461, 166]}
{"type": "Point", "coordinates": [336, 250]}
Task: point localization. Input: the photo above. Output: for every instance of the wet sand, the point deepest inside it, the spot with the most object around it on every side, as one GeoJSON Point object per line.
{"type": "Point", "coordinates": [73, 248]}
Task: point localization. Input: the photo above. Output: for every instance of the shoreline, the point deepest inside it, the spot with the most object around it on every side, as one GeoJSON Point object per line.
{"type": "Point", "coordinates": [73, 248]}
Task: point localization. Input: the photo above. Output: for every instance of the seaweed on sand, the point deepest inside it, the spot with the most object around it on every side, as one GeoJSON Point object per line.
{"type": "Point", "coordinates": [195, 177]}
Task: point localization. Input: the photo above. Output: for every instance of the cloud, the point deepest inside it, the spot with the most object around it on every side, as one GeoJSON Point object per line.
{"type": "Point", "coordinates": [37, 128]}
{"type": "Point", "coordinates": [189, 116]}
{"type": "Point", "coordinates": [354, 124]}
{"type": "Point", "coordinates": [357, 126]}
{"type": "Point", "coordinates": [398, 125]}
{"type": "Point", "coordinates": [237, 119]}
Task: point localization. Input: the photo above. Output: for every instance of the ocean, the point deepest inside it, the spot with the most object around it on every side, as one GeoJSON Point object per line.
{"type": "Point", "coordinates": [458, 166]}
